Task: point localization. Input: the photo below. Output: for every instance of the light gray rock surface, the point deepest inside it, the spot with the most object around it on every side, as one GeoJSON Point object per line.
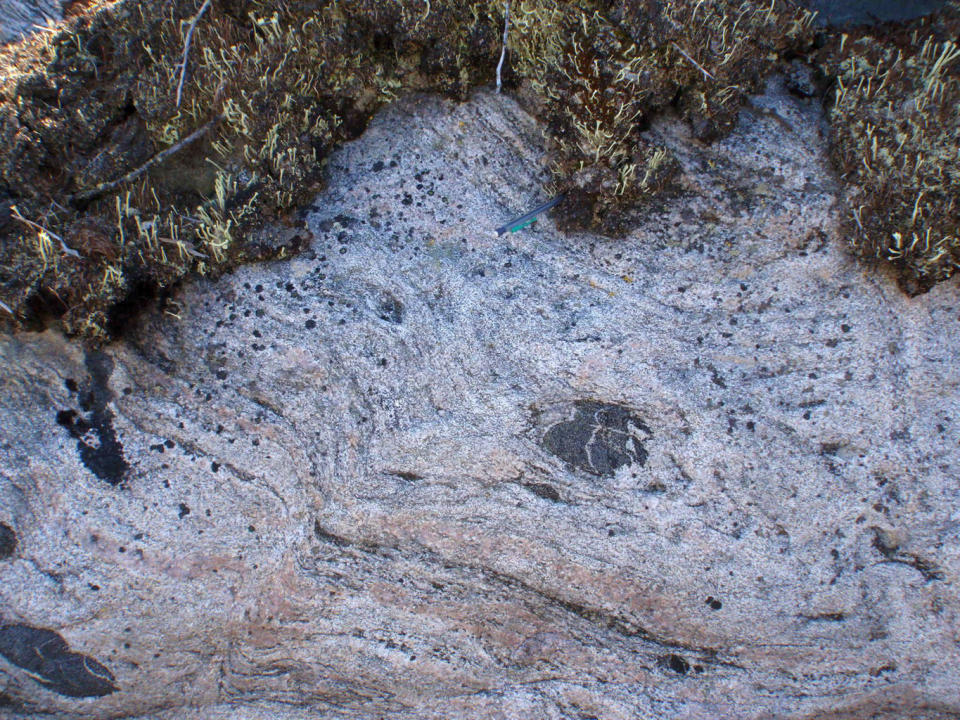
{"type": "Point", "coordinates": [19, 17]}
{"type": "Point", "coordinates": [709, 471]}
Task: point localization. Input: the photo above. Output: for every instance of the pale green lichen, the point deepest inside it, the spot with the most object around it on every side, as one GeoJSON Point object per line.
{"type": "Point", "coordinates": [895, 123]}
{"type": "Point", "coordinates": [600, 71]}
{"type": "Point", "coordinates": [96, 150]}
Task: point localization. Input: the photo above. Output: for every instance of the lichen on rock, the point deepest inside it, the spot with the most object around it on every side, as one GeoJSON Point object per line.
{"type": "Point", "coordinates": [89, 226]}
{"type": "Point", "coordinates": [115, 185]}
{"type": "Point", "coordinates": [895, 124]}
{"type": "Point", "coordinates": [602, 70]}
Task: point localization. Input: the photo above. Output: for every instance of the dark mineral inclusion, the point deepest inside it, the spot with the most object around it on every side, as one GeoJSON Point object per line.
{"type": "Point", "coordinates": [599, 438]}
{"type": "Point", "coordinates": [97, 442]}
{"type": "Point", "coordinates": [47, 657]}
{"type": "Point", "coordinates": [8, 541]}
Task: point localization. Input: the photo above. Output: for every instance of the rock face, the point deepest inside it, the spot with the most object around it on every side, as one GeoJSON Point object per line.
{"type": "Point", "coordinates": [18, 17]}
{"type": "Point", "coordinates": [424, 472]}
{"type": "Point", "coordinates": [840, 13]}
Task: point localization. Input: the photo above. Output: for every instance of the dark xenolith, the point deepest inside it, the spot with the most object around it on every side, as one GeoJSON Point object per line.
{"type": "Point", "coordinates": [97, 442]}
{"type": "Point", "coordinates": [599, 438]}
{"type": "Point", "coordinates": [45, 655]}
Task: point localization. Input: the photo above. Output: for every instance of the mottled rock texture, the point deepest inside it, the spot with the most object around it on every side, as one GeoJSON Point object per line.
{"type": "Point", "coordinates": [19, 17]}
{"type": "Point", "coordinates": [419, 471]}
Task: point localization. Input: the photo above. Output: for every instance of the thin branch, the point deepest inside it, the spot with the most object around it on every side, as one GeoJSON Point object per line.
{"type": "Point", "coordinates": [40, 228]}
{"type": "Point", "coordinates": [4, 306]}
{"type": "Point", "coordinates": [184, 247]}
{"type": "Point", "coordinates": [503, 51]}
{"type": "Point", "coordinates": [186, 48]}
{"type": "Point", "coordinates": [159, 157]}
{"type": "Point", "coordinates": [695, 63]}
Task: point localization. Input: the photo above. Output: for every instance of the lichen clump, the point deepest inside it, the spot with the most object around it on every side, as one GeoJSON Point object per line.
{"type": "Point", "coordinates": [115, 185]}
{"type": "Point", "coordinates": [601, 76]}
{"type": "Point", "coordinates": [268, 91]}
{"type": "Point", "coordinates": [895, 124]}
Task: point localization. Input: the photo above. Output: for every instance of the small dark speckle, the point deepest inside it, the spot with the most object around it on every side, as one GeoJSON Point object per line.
{"type": "Point", "coordinates": [545, 491]}
{"type": "Point", "coordinates": [184, 511]}
{"type": "Point", "coordinates": [377, 166]}
{"type": "Point", "coordinates": [845, 328]}
{"type": "Point", "coordinates": [714, 603]}
{"type": "Point", "coordinates": [677, 664]}
{"type": "Point", "coordinates": [71, 384]}
{"type": "Point", "coordinates": [391, 310]}
{"type": "Point", "coordinates": [215, 466]}
{"type": "Point", "coordinates": [716, 378]}
{"type": "Point", "coordinates": [65, 418]}
{"type": "Point", "coordinates": [310, 324]}
{"type": "Point", "coordinates": [902, 434]}
{"type": "Point", "coordinates": [221, 374]}
{"type": "Point", "coordinates": [8, 541]}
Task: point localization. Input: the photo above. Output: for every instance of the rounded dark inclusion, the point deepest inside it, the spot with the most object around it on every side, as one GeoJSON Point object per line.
{"type": "Point", "coordinates": [599, 438]}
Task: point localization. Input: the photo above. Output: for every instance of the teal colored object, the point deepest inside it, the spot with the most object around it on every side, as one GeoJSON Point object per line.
{"type": "Point", "coordinates": [526, 219]}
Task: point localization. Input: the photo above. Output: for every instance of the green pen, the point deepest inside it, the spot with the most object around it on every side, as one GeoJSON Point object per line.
{"type": "Point", "coordinates": [526, 219]}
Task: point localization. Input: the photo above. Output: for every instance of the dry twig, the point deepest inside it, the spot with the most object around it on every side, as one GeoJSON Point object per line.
{"type": "Point", "coordinates": [695, 63]}
{"type": "Point", "coordinates": [506, 33]}
{"type": "Point", "coordinates": [160, 156]}
{"type": "Point", "coordinates": [67, 250]}
{"type": "Point", "coordinates": [186, 47]}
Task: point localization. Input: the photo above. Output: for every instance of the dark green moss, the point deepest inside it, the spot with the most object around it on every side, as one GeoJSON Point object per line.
{"type": "Point", "coordinates": [895, 123]}
{"type": "Point", "coordinates": [270, 91]}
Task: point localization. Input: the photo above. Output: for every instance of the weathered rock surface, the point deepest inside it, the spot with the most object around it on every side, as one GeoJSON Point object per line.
{"type": "Point", "coordinates": [18, 17]}
{"type": "Point", "coordinates": [423, 472]}
{"type": "Point", "coordinates": [839, 13]}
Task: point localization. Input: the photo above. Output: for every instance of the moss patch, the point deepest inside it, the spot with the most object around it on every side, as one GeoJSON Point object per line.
{"type": "Point", "coordinates": [895, 130]}
{"type": "Point", "coordinates": [600, 70]}
{"type": "Point", "coordinates": [267, 94]}
{"type": "Point", "coordinates": [111, 191]}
